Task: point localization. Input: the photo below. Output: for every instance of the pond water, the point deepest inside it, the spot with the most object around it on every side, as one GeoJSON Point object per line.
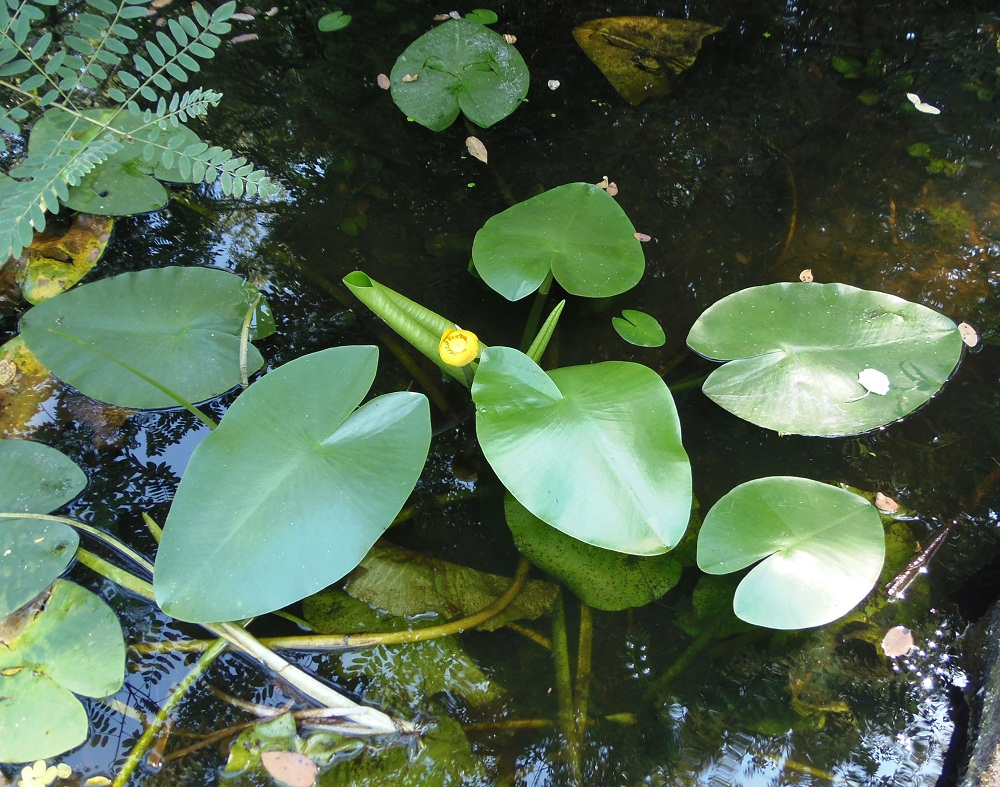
{"type": "Point", "coordinates": [766, 160]}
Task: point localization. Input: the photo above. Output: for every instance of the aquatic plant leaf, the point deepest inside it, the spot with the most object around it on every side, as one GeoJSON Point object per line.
{"type": "Point", "coordinates": [25, 388]}
{"type": "Point", "coordinates": [55, 261]}
{"type": "Point", "coordinates": [419, 326]}
{"type": "Point", "coordinates": [72, 646]}
{"type": "Point", "coordinates": [400, 676]}
{"type": "Point", "coordinates": [820, 550]}
{"type": "Point", "coordinates": [126, 182]}
{"type": "Point", "coordinates": [595, 451]}
{"type": "Point", "coordinates": [291, 490]}
{"type": "Point", "coordinates": [459, 66]}
{"type": "Point", "coordinates": [576, 230]}
{"type": "Point", "coordinates": [639, 328]}
{"type": "Point", "coordinates": [601, 578]}
{"type": "Point", "coordinates": [178, 326]}
{"type": "Point", "coordinates": [335, 20]}
{"type": "Point", "coordinates": [642, 55]}
{"type": "Point", "coordinates": [405, 583]}
{"type": "Point", "coordinates": [795, 352]}
{"type": "Point", "coordinates": [36, 479]}
{"type": "Point", "coordinates": [444, 757]}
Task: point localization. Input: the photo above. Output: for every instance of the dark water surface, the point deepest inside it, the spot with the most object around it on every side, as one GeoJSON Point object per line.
{"type": "Point", "coordinates": [766, 161]}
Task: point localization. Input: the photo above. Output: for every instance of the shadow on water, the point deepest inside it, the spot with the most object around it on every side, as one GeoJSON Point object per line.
{"type": "Point", "coordinates": [766, 161]}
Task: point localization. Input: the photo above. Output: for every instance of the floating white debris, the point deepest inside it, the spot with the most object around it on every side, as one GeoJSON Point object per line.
{"type": "Point", "coordinates": [927, 109]}
{"type": "Point", "coordinates": [554, 84]}
{"type": "Point", "coordinates": [874, 381]}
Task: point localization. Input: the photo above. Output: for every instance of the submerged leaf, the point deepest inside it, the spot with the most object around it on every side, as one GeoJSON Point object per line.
{"type": "Point", "coordinates": [642, 55]}
{"type": "Point", "coordinates": [403, 675]}
{"type": "Point", "coordinates": [405, 583]}
{"type": "Point", "coordinates": [601, 578]}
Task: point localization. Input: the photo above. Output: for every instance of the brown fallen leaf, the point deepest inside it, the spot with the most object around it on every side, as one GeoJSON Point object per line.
{"type": "Point", "coordinates": [898, 641]}
{"type": "Point", "coordinates": [642, 55]}
{"type": "Point", "coordinates": [806, 275]}
{"type": "Point", "coordinates": [612, 189]}
{"type": "Point", "coordinates": [290, 767]}
{"type": "Point", "coordinates": [476, 148]}
{"type": "Point", "coordinates": [604, 183]}
{"type": "Point", "coordinates": [886, 504]}
{"type": "Point", "coordinates": [441, 17]}
{"type": "Point", "coordinates": [411, 77]}
{"type": "Point", "coordinates": [969, 334]}
{"type": "Point", "coordinates": [383, 81]}
{"type": "Point", "coordinates": [507, 37]}
{"type": "Point", "coordinates": [642, 237]}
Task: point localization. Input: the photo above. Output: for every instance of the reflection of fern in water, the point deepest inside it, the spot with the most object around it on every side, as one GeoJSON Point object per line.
{"type": "Point", "coordinates": [62, 72]}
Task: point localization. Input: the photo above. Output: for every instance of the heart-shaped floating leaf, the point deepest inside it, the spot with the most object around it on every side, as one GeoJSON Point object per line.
{"type": "Point", "coordinates": [178, 327]}
{"type": "Point", "coordinates": [639, 328]}
{"type": "Point", "coordinates": [601, 578]}
{"type": "Point", "coordinates": [459, 65]}
{"type": "Point", "coordinates": [821, 549]}
{"type": "Point", "coordinates": [291, 490]}
{"type": "Point", "coordinates": [36, 479]}
{"type": "Point", "coordinates": [125, 183]}
{"type": "Point", "coordinates": [796, 352]}
{"type": "Point", "coordinates": [595, 451]}
{"type": "Point", "coordinates": [577, 231]}
{"type": "Point", "coordinates": [74, 645]}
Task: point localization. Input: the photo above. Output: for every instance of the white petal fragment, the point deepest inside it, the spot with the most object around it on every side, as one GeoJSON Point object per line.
{"type": "Point", "coordinates": [920, 106]}
{"type": "Point", "coordinates": [554, 84]}
{"type": "Point", "coordinates": [476, 148]}
{"type": "Point", "coordinates": [806, 275]}
{"type": "Point", "coordinates": [383, 81]}
{"type": "Point", "coordinates": [969, 334]}
{"type": "Point", "coordinates": [874, 381]}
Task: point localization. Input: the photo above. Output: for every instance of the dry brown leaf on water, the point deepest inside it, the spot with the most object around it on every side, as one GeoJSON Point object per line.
{"type": "Point", "coordinates": [642, 55]}
{"type": "Point", "coordinates": [612, 189]}
{"type": "Point", "coordinates": [411, 77]}
{"type": "Point", "coordinates": [603, 184]}
{"type": "Point", "coordinates": [510, 39]}
{"type": "Point", "coordinates": [642, 237]}
{"type": "Point", "coordinates": [383, 81]}
{"type": "Point", "coordinates": [290, 767]}
{"type": "Point", "coordinates": [806, 275]}
{"type": "Point", "coordinates": [969, 334]}
{"type": "Point", "coordinates": [886, 504]}
{"type": "Point", "coordinates": [898, 641]}
{"type": "Point", "coordinates": [441, 17]}
{"type": "Point", "coordinates": [476, 148]}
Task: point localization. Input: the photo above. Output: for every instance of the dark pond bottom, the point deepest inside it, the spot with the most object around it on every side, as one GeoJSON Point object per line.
{"type": "Point", "coordinates": [790, 144]}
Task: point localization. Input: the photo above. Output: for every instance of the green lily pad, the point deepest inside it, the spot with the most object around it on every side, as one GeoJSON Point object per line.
{"type": "Point", "coordinates": [400, 676]}
{"type": "Point", "coordinates": [821, 550]}
{"type": "Point", "coordinates": [125, 183]}
{"type": "Point", "coordinates": [577, 231]}
{"type": "Point", "coordinates": [459, 66]}
{"type": "Point", "coordinates": [73, 646]}
{"type": "Point", "coordinates": [797, 354]}
{"type": "Point", "coordinates": [595, 451]}
{"type": "Point", "coordinates": [405, 583]}
{"type": "Point", "coordinates": [601, 578]}
{"type": "Point", "coordinates": [482, 16]}
{"type": "Point", "coordinates": [32, 555]}
{"type": "Point", "coordinates": [36, 479]}
{"type": "Point", "coordinates": [335, 20]}
{"type": "Point", "coordinates": [180, 327]}
{"type": "Point", "coordinates": [639, 328]}
{"type": "Point", "coordinates": [291, 490]}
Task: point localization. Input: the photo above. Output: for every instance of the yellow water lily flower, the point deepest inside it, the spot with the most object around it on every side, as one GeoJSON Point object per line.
{"type": "Point", "coordinates": [458, 347]}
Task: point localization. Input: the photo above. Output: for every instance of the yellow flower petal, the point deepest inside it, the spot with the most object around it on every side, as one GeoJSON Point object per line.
{"type": "Point", "coordinates": [458, 347]}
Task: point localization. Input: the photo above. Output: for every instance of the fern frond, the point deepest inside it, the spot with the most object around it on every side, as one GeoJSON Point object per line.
{"type": "Point", "coordinates": [41, 182]}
